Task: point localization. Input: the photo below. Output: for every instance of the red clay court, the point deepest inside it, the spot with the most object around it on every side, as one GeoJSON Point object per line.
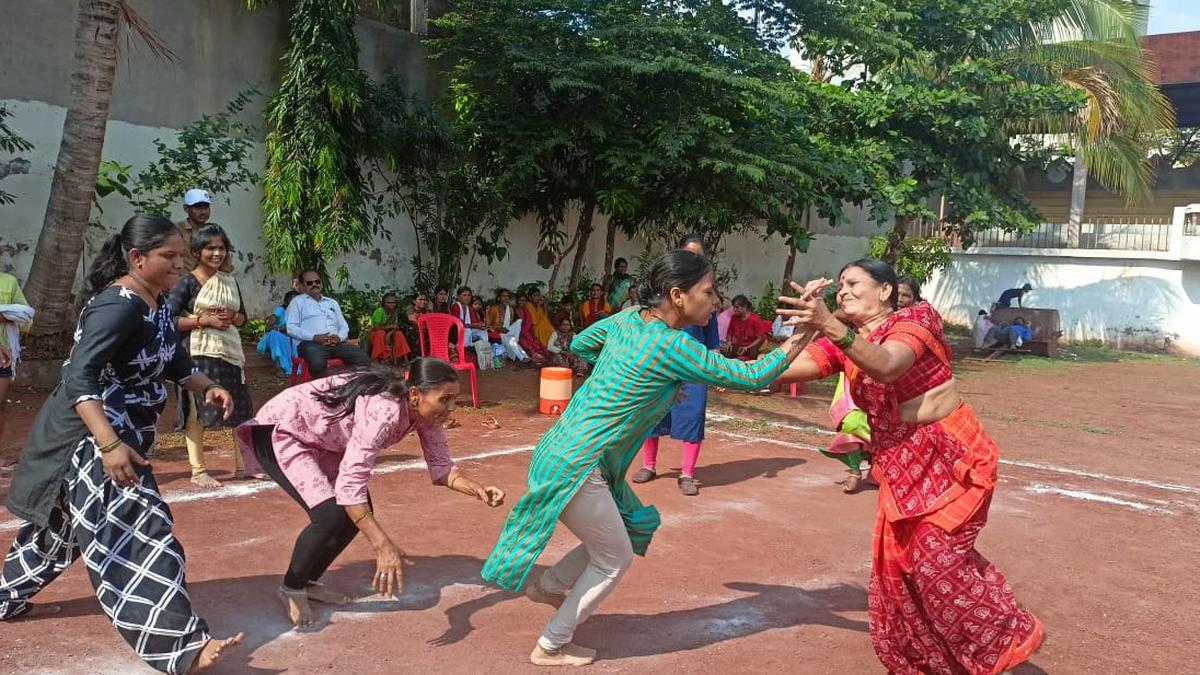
{"type": "Point", "coordinates": [1095, 523]}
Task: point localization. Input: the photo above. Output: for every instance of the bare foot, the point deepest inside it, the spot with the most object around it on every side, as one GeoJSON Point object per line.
{"type": "Point", "coordinates": [297, 607]}
{"type": "Point", "coordinates": [318, 593]}
{"type": "Point", "coordinates": [36, 611]}
{"type": "Point", "coordinates": [205, 481]}
{"type": "Point", "coordinates": [211, 652]}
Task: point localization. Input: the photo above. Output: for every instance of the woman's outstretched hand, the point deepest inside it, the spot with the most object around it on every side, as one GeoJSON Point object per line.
{"type": "Point", "coordinates": [808, 307]}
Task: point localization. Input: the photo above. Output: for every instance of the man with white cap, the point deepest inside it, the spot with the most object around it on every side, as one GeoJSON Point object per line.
{"type": "Point", "coordinates": [197, 204]}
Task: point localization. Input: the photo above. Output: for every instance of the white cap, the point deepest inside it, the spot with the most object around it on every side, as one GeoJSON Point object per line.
{"type": "Point", "coordinates": [196, 196]}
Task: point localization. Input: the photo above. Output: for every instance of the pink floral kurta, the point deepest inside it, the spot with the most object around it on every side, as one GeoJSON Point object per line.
{"type": "Point", "coordinates": [324, 458]}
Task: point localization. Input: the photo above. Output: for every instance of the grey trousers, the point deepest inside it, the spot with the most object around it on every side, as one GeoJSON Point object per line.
{"type": "Point", "coordinates": [592, 569]}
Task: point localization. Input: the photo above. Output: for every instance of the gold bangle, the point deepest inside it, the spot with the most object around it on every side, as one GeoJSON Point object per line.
{"type": "Point", "coordinates": [110, 446]}
{"type": "Point", "coordinates": [356, 520]}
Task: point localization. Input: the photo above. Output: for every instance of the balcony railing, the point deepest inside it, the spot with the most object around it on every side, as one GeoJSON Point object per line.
{"type": "Point", "coordinates": [1117, 233]}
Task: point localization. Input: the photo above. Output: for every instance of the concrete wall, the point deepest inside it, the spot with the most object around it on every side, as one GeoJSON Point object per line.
{"type": "Point", "coordinates": [1125, 302]}
{"type": "Point", "coordinates": [221, 49]}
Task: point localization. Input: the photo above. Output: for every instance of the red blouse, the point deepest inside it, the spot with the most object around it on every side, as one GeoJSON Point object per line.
{"type": "Point", "coordinates": [928, 371]}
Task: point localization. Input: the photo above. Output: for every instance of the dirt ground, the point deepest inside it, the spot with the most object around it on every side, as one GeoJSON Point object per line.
{"type": "Point", "coordinates": [1094, 523]}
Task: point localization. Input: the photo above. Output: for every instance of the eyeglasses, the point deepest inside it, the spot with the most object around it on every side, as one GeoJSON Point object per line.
{"type": "Point", "coordinates": [312, 282]}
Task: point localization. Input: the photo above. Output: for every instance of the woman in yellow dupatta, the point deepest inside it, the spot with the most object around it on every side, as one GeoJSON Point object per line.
{"type": "Point", "coordinates": [209, 305]}
{"type": "Point", "coordinates": [539, 321]}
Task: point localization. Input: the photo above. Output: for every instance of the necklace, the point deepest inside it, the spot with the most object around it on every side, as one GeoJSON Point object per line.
{"type": "Point", "coordinates": [141, 282]}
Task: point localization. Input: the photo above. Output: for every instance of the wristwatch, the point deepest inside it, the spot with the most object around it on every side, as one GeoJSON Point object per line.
{"type": "Point", "coordinates": [846, 340]}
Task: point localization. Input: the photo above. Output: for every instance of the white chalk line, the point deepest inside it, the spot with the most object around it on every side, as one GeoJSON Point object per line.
{"type": "Point", "coordinates": [1156, 507]}
{"type": "Point", "coordinates": [1085, 495]}
{"type": "Point", "coordinates": [1173, 487]}
{"type": "Point", "coordinates": [242, 490]}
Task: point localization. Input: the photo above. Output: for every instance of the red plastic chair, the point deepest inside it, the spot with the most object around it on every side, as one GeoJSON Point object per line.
{"type": "Point", "coordinates": [435, 341]}
{"type": "Point", "coordinates": [300, 367]}
{"type": "Point", "coordinates": [796, 387]}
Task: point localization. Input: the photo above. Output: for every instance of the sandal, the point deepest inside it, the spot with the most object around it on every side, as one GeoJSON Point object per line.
{"type": "Point", "coordinates": [644, 475]}
{"type": "Point", "coordinates": [490, 422]}
{"type": "Point", "coordinates": [451, 424]}
{"type": "Point", "coordinates": [687, 485]}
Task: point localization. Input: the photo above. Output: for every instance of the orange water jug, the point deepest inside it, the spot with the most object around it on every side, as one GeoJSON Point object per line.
{"type": "Point", "coordinates": [556, 388]}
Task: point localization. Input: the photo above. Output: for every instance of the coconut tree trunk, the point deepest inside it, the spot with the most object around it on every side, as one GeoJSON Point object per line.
{"type": "Point", "coordinates": [56, 258]}
{"type": "Point", "coordinates": [1079, 180]}
{"type": "Point", "coordinates": [586, 213]}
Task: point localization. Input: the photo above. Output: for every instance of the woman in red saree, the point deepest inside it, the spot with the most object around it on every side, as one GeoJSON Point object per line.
{"type": "Point", "coordinates": [936, 604]}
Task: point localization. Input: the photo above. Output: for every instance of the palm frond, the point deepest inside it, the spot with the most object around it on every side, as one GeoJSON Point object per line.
{"type": "Point", "coordinates": [136, 25]}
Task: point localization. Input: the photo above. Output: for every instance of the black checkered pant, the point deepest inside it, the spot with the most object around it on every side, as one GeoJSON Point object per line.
{"type": "Point", "coordinates": [134, 561]}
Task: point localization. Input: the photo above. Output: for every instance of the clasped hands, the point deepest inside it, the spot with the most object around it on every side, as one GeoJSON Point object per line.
{"type": "Point", "coordinates": [807, 308]}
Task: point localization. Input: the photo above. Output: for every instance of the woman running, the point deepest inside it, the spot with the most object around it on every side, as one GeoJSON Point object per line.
{"type": "Point", "coordinates": [577, 472]}
{"type": "Point", "coordinates": [937, 605]}
{"type": "Point", "coordinates": [208, 304]}
{"type": "Point", "coordinates": [320, 440]}
{"type": "Point", "coordinates": [84, 484]}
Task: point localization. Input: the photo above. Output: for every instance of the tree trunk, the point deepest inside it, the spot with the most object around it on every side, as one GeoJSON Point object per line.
{"type": "Point", "coordinates": [789, 265]}
{"type": "Point", "coordinates": [895, 244]}
{"type": "Point", "coordinates": [584, 233]}
{"type": "Point", "coordinates": [56, 258]}
{"type": "Point", "coordinates": [1078, 195]}
{"type": "Point", "coordinates": [610, 244]}
{"type": "Point", "coordinates": [558, 261]}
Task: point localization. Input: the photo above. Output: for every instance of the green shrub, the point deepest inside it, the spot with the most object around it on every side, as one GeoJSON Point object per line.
{"type": "Point", "coordinates": [253, 330]}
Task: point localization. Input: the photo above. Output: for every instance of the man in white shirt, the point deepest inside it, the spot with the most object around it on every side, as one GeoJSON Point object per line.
{"type": "Point", "coordinates": [317, 323]}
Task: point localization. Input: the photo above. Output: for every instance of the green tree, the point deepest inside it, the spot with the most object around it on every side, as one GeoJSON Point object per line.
{"type": "Point", "coordinates": [314, 194]}
{"type": "Point", "coordinates": [424, 170]}
{"type": "Point", "coordinates": [665, 116]}
{"type": "Point", "coordinates": [211, 152]}
{"type": "Point", "coordinates": [11, 141]}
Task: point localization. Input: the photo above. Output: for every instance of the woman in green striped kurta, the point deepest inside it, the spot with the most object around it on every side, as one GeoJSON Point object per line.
{"type": "Point", "coordinates": [577, 472]}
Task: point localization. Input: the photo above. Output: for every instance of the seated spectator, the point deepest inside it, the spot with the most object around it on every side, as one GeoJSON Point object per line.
{"type": "Point", "coordinates": [408, 326]}
{"type": "Point", "coordinates": [441, 300]}
{"type": "Point", "coordinates": [560, 349]}
{"type": "Point", "coordinates": [317, 323]}
{"type": "Point", "coordinates": [529, 340]}
{"type": "Point", "coordinates": [533, 315]}
{"type": "Point", "coordinates": [983, 324]}
{"type": "Point", "coordinates": [1011, 294]}
{"type": "Point", "coordinates": [500, 316]}
{"type": "Point", "coordinates": [1001, 336]}
{"type": "Point", "coordinates": [386, 338]}
{"type": "Point", "coordinates": [631, 297]}
{"type": "Point", "coordinates": [275, 341]}
{"type": "Point", "coordinates": [617, 284]}
{"type": "Point", "coordinates": [474, 323]}
{"type": "Point", "coordinates": [747, 331]}
{"type": "Point", "coordinates": [595, 307]}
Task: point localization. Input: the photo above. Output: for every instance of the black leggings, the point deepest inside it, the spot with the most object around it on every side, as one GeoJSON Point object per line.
{"type": "Point", "coordinates": [329, 529]}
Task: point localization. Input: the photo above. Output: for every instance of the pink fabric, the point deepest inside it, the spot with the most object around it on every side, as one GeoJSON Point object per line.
{"type": "Point", "coordinates": [650, 453]}
{"type": "Point", "coordinates": [691, 453]}
{"type": "Point", "coordinates": [723, 320]}
{"type": "Point", "coordinates": [324, 459]}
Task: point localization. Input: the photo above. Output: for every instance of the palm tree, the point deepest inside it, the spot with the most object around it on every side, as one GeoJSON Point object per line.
{"type": "Point", "coordinates": [1095, 48]}
{"type": "Point", "coordinates": [60, 243]}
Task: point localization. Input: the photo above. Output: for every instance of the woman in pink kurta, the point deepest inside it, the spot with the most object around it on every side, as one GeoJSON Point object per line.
{"type": "Point", "coordinates": [320, 440]}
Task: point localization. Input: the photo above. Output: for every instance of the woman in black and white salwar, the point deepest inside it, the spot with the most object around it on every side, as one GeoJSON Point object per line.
{"type": "Point", "coordinates": [84, 484]}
